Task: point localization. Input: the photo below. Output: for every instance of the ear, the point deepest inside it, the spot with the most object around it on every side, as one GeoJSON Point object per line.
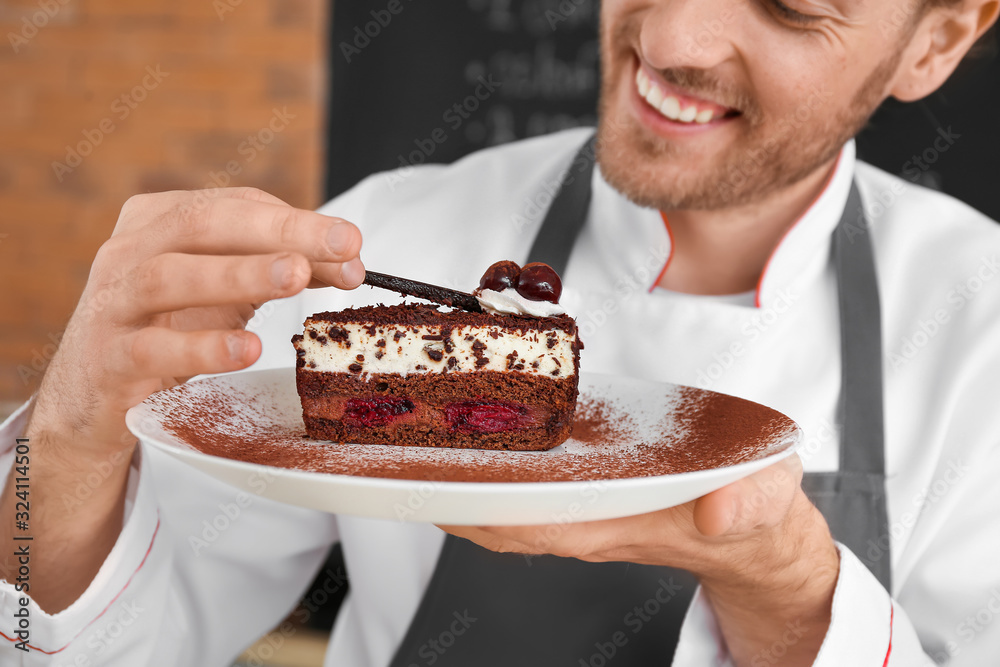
{"type": "Point", "coordinates": [938, 44]}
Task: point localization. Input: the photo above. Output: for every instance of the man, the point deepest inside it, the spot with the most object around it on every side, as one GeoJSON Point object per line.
{"type": "Point", "coordinates": [743, 143]}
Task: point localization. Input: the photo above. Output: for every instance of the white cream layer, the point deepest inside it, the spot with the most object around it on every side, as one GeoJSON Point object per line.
{"type": "Point", "coordinates": [510, 302]}
{"type": "Point", "coordinates": [412, 353]}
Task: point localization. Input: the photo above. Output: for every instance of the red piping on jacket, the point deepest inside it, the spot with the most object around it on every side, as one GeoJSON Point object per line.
{"type": "Point", "coordinates": [826, 186]}
{"type": "Point", "coordinates": [892, 614]}
{"type": "Point", "coordinates": [670, 235]}
{"type": "Point", "coordinates": [767, 265]}
{"type": "Point", "coordinates": [103, 611]}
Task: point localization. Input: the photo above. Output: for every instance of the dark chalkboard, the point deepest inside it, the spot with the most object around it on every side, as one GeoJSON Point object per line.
{"type": "Point", "coordinates": [429, 80]}
{"type": "Point", "coordinates": [417, 81]}
{"type": "Point", "coordinates": [950, 140]}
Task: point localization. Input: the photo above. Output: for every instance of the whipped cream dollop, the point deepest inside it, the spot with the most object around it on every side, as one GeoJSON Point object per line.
{"type": "Point", "coordinates": [509, 302]}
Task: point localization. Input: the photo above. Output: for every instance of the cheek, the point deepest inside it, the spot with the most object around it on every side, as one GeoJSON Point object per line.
{"type": "Point", "coordinates": [804, 87]}
{"type": "Point", "coordinates": [817, 70]}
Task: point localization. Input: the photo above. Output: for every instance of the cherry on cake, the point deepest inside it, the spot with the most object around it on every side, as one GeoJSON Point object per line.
{"type": "Point", "coordinates": [417, 374]}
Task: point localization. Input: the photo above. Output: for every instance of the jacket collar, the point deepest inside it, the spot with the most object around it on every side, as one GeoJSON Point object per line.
{"type": "Point", "coordinates": [800, 257]}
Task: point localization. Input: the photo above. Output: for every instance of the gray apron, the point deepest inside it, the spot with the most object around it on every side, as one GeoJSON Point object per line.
{"type": "Point", "coordinates": [548, 611]}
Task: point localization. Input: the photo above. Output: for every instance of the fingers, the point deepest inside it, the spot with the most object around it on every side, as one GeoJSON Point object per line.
{"type": "Point", "coordinates": [139, 209]}
{"type": "Point", "coordinates": [227, 226]}
{"type": "Point", "coordinates": [493, 539]}
{"type": "Point", "coordinates": [587, 540]}
{"type": "Point", "coordinates": [160, 352]}
{"type": "Point", "coordinates": [715, 513]}
{"type": "Point", "coordinates": [473, 534]}
{"type": "Point", "coordinates": [175, 281]}
{"type": "Point", "coordinates": [252, 194]}
{"type": "Point", "coordinates": [345, 276]}
{"type": "Point", "coordinates": [234, 221]}
{"type": "Point", "coordinates": [758, 501]}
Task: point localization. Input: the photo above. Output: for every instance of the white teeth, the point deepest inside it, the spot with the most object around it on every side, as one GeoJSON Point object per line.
{"type": "Point", "coordinates": [642, 81]}
{"type": "Point", "coordinates": [654, 97]}
{"type": "Point", "coordinates": [671, 108]}
{"type": "Point", "coordinates": [668, 105]}
{"type": "Point", "coordinates": [688, 115]}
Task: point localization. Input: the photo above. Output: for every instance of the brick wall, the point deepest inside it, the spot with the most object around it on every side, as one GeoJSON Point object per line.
{"type": "Point", "coordinates": [102, 99]}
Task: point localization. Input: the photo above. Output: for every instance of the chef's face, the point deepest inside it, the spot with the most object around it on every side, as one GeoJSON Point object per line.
{"type": "Point", "coordinates": [766, 95]}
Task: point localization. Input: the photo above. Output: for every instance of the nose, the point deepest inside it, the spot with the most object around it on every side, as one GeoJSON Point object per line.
{"type": "Point", "coordinates": [688, 33]}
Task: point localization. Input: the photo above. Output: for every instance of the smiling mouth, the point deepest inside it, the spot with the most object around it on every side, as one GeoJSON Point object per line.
{"type": "Point", "coordinates": [678, 108]}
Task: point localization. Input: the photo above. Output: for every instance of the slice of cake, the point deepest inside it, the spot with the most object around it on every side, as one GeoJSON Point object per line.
{"type": "Point", "coordinates": [414, 374]}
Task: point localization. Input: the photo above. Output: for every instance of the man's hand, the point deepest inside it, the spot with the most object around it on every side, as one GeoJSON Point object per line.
{"type": "Point", "coordinates": [762, 552]}
{"type": "Point", "coordinates": [168, 297]}
{"type": "Point", "coordinates": [170, 293]}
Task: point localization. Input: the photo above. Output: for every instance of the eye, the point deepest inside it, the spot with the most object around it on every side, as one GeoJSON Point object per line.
{"type": "Point", "coordinates": [786, 13]}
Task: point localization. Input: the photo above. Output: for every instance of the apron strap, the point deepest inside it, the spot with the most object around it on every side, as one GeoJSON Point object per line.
{"type": "Point", "coordinates": [853, 499]}
{"type": "Point", "coordinates": [567, 214]}
{"type": "Point", "coordinates": [861, 408]}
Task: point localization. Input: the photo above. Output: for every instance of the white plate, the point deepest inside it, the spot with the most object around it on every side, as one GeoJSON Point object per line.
{"type": "Point", "coordinates": [703, 439]}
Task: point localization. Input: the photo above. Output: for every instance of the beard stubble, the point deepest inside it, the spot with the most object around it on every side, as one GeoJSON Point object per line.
{"type": "Point", "coordinates": [773, 154]}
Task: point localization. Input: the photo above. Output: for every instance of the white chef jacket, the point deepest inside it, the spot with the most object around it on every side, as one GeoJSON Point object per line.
{"type": "Point", "coordinates": [165, 598]}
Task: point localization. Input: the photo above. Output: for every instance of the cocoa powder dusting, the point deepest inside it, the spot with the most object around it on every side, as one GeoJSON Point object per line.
{"type": "Point", "coordinates": [699, 430]}
{"type": "Point", "coordinates": [597, 422]}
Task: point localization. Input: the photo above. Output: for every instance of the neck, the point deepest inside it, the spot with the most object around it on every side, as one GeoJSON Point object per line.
{"type": "Point", "coordinates": [725, 251]}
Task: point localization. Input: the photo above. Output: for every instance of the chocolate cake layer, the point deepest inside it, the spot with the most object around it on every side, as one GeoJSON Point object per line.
{"type": "Point", "coordinates": [484, 410]}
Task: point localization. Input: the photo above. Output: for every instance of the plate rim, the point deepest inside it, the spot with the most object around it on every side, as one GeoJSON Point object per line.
{"type": "Point", "coordinates": [133, 418]}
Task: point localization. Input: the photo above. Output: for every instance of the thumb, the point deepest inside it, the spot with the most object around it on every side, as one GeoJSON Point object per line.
{"type": "Point", "coordinates": [760, 500]}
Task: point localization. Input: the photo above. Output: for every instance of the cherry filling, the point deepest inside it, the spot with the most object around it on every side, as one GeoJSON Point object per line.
{"type": "Point", "coordinates": [486, 416]}
{"type": "Point", "coordinates": [375, 411]}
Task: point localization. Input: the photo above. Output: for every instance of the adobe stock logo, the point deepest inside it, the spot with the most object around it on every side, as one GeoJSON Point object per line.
{"type": "Point", "coordinates": [960, 295]}
{"type": "Point", "coordinates": [635, 620]}
{"type": "Point", "coordinates": [31, 25]}
{"type": "Point", "coordinates": [454, 116]}
{"type": "Point", "coordinates": [121, 108]}
{"type": "Point", "coordinates": [711, 30]}
{"type": "Point", "coordinates": [435, 647]}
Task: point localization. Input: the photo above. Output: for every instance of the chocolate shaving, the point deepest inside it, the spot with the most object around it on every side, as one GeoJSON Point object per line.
{"type": "Point", "coordinates": [406, 287]}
